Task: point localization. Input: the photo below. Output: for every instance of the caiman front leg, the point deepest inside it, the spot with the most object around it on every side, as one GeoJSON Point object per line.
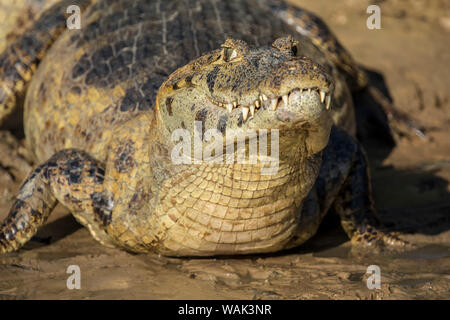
{"type": "Point", "coordinates": [353, 201]}
{"type": "Point", "coordinates": [343, 185]}
{"type": "Point", "coordinates": [71, 177]}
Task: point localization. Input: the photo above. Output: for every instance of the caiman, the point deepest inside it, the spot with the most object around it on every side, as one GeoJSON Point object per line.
{"type": "Point", "coordinates": [104, 103]}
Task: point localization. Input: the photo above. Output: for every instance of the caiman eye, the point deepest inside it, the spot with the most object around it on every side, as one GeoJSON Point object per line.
{"type": "Point", "coordinates": [229, 54]}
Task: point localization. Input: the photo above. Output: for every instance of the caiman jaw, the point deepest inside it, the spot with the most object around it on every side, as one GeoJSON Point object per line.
{"type": "Point", "coordinates": [273, 102]}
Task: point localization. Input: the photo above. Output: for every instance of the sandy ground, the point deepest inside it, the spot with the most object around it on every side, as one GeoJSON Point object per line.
{"type": "Point", "coordinates": [410, 55]}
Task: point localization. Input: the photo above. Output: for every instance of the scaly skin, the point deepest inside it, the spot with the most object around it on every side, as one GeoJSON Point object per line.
{"type": "Point", "coordinates": [19, 60]}
{"type": "Point", "coordinates": [16, 15]}
{"type": "Point", "coordinates": [105, 101]}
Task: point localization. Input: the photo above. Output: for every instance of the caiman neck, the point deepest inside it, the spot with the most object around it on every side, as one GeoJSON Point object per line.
{"type": "Point", "coordinates": [210, 208]}
{"type": "Point", "coordinates": [214, 209]}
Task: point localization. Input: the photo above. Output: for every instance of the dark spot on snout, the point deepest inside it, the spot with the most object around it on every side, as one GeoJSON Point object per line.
{"type": "Point", "coordinates": [211, 79]}
{"type": "Point", "coordinates": [240, 120]}
{"type": "Point", "coordinates": [201, 116]}
{"type": "Point", "coordinates": [222, 124]}
{"type": "Point", "coordinates": [169, 105]}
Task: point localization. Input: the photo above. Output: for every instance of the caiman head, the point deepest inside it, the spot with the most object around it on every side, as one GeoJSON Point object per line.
{"type": "Point", "coordinates": [241, 88]}
{"type": "Point", "coordinates": [234, 207]}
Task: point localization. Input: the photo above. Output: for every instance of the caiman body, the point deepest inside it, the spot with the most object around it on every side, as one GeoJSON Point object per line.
{"type": "Point", "coordinates": [103, 103]}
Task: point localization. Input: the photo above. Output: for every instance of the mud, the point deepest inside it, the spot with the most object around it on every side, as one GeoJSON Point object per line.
{"type": "Point", "coordinates": [409, 60]}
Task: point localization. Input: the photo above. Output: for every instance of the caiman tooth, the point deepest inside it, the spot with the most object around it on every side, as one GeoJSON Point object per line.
{"type": "Point", "coordinates": [309, 90]}
{"type": "Point", "coordinates": [274, 104]}
{"type": "Point", "coordinates": [235, 104]}
{"type": "Point", "coordinates": [252, 110]}
{"type": "Point", "coordinates": [322, 96]}
{"type": "Point", "coordinates": [327, 101]}
{"type": "Point", "coordinates": [264, 97]}
{"type": "Point", "coordinates": [285, 100]}
{"type": "Point", "coordinates": [257, 103]}
{"type": "Point", "coordinates": [229, 107]}
{"type": "Point", "coordinates": [245, 113]}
